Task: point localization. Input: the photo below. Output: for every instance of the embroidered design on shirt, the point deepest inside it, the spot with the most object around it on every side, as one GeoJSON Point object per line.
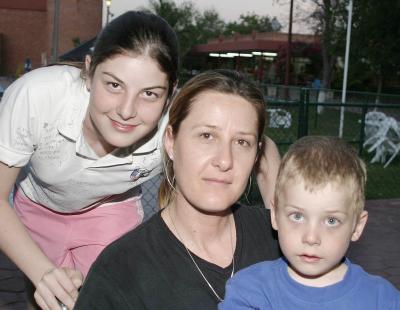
{"type": "Point", "coordinates": [139, 173]}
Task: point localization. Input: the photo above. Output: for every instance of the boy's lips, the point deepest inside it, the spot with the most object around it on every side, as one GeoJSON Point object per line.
{"type": "Point", "coordinates": [309, 258]}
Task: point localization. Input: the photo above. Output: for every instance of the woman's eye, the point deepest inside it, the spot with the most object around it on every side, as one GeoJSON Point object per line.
{"type": "Point", "coordinates": [206, 135]}
{"type": "Point", "coordinates": [297, 217]}
{"type": "Point", "coordinates": [243, 142]}
{"type": "Point", "coordinates": [150, 93]}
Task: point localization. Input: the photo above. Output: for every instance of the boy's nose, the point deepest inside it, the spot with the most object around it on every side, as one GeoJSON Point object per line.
{"type": "Point", "coordinates": [312, 236]}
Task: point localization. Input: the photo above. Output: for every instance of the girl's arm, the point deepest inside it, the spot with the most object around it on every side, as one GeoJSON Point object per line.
{"type": "Point", "coordinates": [267, 170]}
{"type": "Point", "coordinates": [16, 243]}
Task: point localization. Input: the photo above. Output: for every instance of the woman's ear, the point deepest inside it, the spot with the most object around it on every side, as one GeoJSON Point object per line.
{"type": "Point", "coordinates": [359, 228]}
{"type": "Point", "coordinates": [169, 142]}
{"type": "Point", "coordinates": [88, 61]}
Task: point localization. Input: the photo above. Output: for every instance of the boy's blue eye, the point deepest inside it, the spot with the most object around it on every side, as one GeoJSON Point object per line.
{"type": "Point", "coordinates": [296, 216]}
{"type": "Point", "coordinates": [331, 221]}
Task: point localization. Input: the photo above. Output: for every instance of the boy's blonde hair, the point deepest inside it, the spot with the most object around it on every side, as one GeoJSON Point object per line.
{"type": "Point", "coordinates": [319, 160]}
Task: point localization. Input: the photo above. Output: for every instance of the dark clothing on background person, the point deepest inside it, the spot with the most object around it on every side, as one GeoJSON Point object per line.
{"type": "Point", "coordinates": [149, 267]}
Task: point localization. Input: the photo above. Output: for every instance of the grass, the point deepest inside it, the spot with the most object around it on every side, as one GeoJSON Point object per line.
{"type": "Point", "coordinates": [383, 183]}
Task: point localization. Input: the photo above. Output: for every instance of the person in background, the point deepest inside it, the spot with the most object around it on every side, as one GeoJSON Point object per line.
{"type": "Point", "coordinates": [182, 257]}
{"type": "Point", "coordinates": [318, 210]}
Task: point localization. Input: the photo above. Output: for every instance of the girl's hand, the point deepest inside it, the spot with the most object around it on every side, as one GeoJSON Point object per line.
{"type": "Point", "coordinates": [58, 285]}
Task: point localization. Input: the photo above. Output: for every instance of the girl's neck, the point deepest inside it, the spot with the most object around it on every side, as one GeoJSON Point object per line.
{"type": "Point", "coordinates": [94, 139]}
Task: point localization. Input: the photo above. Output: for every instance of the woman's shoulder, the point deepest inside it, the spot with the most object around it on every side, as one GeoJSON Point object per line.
{"type": "Point", "coordinates": [247, 212]}
{"type": "Point", "coordinates": [137, 243]}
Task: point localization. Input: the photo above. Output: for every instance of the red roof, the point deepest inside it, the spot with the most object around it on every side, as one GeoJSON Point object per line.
{"type": "Point", "coordinates": [256, 41]}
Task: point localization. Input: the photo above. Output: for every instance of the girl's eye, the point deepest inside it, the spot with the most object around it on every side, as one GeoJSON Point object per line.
{"type": "Point", "coordinates": [113, 84]}
{"type": "Point", "coordinates": [297, 217]}
{"type": "Point", "coordinates": [331, 221]}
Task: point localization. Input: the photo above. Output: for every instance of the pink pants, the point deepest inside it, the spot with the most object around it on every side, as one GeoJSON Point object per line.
{"type": "Point", "coordinates": [75, 240]}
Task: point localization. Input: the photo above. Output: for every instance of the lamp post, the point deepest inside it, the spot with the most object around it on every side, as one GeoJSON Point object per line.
{"type": "Point", "coordinates": [346, 66]}
{"type": "Point", "coordinates": [109, 14]}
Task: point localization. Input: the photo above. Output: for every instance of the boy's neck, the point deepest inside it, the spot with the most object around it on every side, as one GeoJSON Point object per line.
{"type": "Point", "coordinates": [333, 276]}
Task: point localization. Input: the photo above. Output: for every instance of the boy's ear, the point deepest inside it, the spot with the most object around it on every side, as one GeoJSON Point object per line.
{"type": "Point", "coordinates": [273, 215]}
{"type": "Point", "coordinates": [358, 229]}
{"type": "Point", "coordinates": [169, 142]}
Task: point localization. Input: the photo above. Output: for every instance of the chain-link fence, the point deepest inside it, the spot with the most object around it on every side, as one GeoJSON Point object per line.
{"type": "Point", "coordinates": [294, 112]}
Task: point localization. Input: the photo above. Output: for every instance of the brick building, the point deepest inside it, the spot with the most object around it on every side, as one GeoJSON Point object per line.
{"type": "Point", "coordinates": [26, 30]}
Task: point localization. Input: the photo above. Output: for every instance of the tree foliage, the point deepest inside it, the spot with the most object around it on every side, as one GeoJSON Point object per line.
{"type": "Point", "coordinates": [195, 27]}
{"type": "Point", "coordinates": [252, 22]}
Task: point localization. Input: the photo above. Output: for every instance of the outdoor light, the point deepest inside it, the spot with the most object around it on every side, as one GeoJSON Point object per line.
{"type": "Point", "coordinates": [233, 54]}
{"type": "Point", "coordinates": [225, 56]}
{"type": "Point", "coordinates": [270, 54]}
{"type": "Point", "coordinates": [109, 14]}
{"type": "Point", "coordinates": [257, 53]}
{"type": "Point", "coordinates": [213, 55]}
{"type": "Point", "coordinates": [246, 55]}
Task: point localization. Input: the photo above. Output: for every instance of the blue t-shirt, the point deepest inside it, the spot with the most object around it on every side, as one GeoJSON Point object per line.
{"type": "Point", "coordinates": [268, 285]}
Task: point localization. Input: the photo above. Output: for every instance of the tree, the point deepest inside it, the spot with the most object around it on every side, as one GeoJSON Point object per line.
{"type": "Point", "coordinates": [209, 25]}
{"type": "Point", "coordinates": [376, 37]}
{"type": "Point", "coordinates": [250, 22]}
{"type": "Point", "coordinates": [182, 19]}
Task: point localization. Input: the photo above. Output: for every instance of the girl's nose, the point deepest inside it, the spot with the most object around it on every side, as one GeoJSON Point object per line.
{"type": "Point", "coordinates": [127, 108]}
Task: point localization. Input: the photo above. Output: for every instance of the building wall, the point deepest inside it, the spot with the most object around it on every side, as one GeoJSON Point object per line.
{"type": "Point", "coordinates": [26, 28]}
{"type": "Point", "coordinates": [23, 36]}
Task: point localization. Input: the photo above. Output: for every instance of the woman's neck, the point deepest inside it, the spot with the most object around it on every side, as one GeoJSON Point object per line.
{"type": "Point", "coordinates": [210, 236]}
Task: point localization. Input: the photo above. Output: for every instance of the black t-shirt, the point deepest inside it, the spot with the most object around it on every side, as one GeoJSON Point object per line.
{"type": "Point", "coordinates": [149, 267]}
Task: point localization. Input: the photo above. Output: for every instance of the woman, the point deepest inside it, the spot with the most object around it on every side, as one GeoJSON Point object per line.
{"type": "Point", "coordinates": [78, 149]}
{"type": "Point", "coordinates": [182, 257]}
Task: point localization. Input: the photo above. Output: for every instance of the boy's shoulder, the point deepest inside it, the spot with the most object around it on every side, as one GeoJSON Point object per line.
{"type": "Point", "coordinates": [261, 271]}
{"type": "Point", "coordinates": [373, 283]}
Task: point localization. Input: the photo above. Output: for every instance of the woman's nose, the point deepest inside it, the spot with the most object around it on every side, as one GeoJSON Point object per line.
{"type": "Point", "coordinates": [223, 158]}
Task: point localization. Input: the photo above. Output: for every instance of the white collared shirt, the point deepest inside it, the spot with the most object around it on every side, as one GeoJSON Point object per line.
{"type": "Point", "coordinates": [41, 117]}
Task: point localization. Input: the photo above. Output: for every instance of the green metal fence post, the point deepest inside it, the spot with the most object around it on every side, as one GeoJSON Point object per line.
{"type": "Point", "coordinates": [306, 110]}
{"type": "Point", "coordinates": [362, 130]}
{"type": "Point", "coordinates": [303, 113]}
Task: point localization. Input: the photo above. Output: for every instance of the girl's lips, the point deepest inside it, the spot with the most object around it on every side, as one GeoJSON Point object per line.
{"type": "Point", "coordinates": [122, 127]}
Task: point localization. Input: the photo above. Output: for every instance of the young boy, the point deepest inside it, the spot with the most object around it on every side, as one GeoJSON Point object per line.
{"type": "Point", "coordinates": [318, 210]}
